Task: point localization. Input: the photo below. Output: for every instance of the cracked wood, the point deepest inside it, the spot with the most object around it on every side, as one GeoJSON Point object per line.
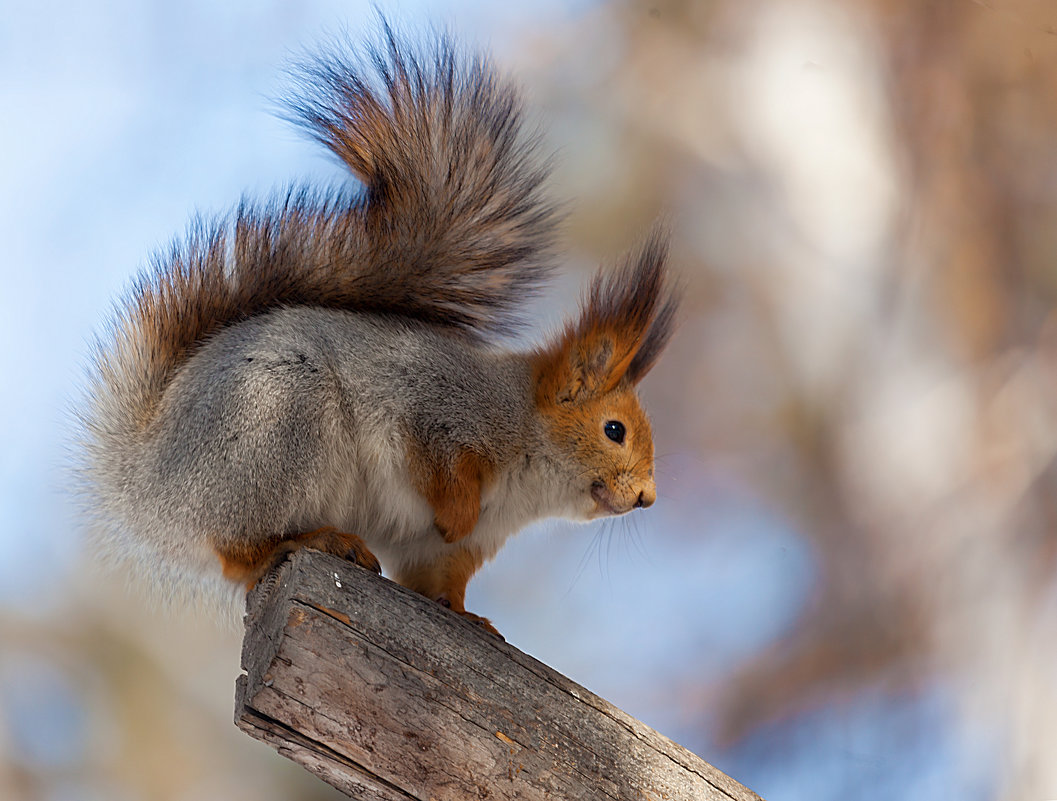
{"type": "Point", "coordinates": [388, 696]}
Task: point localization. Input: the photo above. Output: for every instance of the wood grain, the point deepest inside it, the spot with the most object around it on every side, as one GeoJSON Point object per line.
{"type": "Point", "coordinates": [386, 695]}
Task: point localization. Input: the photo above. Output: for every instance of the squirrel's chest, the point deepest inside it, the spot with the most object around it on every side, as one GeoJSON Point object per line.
{"type": "Point", "coordinates": [378, 500]}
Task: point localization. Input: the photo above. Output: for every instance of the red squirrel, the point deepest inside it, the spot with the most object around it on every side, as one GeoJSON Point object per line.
{"type": "Point", "coordinates": [322, 369]}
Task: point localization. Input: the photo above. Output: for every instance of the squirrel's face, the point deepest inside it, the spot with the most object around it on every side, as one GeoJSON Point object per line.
{"type": "Point", "coordinates": [585, 384]}
{"type": "Point", "coordinates": [610, 444]}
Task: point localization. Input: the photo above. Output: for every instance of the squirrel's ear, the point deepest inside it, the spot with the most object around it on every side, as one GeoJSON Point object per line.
{"type": "Point", "coordinates": [585, 369]}
{"type": "Point", "coordinates": [625, 321]}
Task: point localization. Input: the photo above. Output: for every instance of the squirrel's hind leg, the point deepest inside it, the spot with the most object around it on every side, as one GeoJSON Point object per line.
{"type": "Point", "coordinates": [445, 581]}
{"type": "Point", "coordinates": [247, 564]}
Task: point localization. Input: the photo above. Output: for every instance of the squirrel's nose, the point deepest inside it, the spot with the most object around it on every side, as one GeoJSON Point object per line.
{"type": "Point", "coordinates": [646, 498]}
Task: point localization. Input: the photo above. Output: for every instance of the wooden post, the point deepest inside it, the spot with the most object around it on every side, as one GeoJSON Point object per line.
{"type": "Point", "coordinates": [391, 697]}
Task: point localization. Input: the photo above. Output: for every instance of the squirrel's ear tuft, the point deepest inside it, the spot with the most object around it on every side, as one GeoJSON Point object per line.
{"type": "Point", "coordinates": [625, 321]}
{"type": "Point", "coordinates": [660, 295]}
{"type": "Point", "coordinates": [639, 302]}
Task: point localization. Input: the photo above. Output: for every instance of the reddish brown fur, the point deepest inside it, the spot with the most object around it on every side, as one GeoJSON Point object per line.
{"type": "Point", "coordinates": [625, 471]}
{"type": "Point", "coordinates": [453, 489]}
{"type": "Point", "coordinates": [245, 563]}
{"type": "Point", "coordinates": [624, 323]}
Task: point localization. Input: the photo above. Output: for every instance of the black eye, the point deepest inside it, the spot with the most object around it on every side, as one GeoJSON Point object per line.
{"type": "Point", "coordinates": [615, 430]}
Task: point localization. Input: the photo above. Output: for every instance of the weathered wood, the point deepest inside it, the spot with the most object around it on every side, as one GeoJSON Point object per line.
{"type": "Point", "coordinates": [389, 696]}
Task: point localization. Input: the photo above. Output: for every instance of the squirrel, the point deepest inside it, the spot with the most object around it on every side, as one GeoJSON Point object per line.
{"type": "Point", "coordinates": [326, 369]}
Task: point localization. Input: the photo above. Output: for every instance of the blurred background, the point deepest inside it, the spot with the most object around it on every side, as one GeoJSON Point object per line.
{"type": "Point", "coordinates": [847, 589]}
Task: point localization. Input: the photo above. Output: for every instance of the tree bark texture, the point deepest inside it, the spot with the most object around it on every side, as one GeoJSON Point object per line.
{"type": "Point", "coordinates": [389, 696]}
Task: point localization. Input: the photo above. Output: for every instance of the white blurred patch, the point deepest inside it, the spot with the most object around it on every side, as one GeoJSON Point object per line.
{"type": "Point", "coordinates": [913, 441]}
{"type": "Point", "coordinates": [809, 99]}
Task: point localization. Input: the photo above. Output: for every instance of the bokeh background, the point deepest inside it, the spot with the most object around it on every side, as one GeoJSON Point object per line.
{"type": "Point", "coordinates": [847, 589]}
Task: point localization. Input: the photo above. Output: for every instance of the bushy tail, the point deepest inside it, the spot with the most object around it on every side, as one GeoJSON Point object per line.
{"type": "Point", "coordinates": [451, 226]}
{"type": "Point", "coordinates": [454, 214]}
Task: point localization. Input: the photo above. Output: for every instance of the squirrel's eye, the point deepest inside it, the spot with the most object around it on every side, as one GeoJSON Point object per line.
{"type": "Point", "coordinates": [615, 431]}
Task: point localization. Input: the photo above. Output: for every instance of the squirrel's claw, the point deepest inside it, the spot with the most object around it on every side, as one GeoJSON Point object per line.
{"type": "Point", "coordinates": [483, 622]}
{"type": "Point", "coordinates": [477, 620]}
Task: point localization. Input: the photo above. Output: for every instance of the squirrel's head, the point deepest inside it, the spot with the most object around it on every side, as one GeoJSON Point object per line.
{"type": "Point", "coordinates": [586, 379]}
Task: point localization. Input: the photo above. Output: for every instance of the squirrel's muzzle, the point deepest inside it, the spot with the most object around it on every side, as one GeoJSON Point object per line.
{"type": "Point", "coordinates": [623, 497]}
